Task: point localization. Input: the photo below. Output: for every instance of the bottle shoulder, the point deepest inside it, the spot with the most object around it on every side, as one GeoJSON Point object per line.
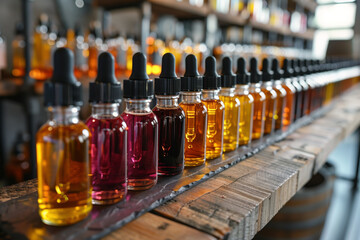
{"type": "Point", "coordinates": [173, 111]}
{"type": "Point", "coordinates": [51, 129]}
{"type": "Point", "coordinates": [217, 103]}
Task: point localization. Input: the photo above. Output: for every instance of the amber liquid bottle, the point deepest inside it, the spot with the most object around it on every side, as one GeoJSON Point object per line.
{"type": "Point", "coordinates": [18, 47]}
{"type": "Point", "coordinates": [271, 97]}
{"type": "Point", "coordinates": [281, 95]}
{"type": "Point", "coordinates": [305, 87]}
{"type": "Point", "coordinates": [171, 119]}
{"type": "Point", "coordinates": [95, 47]}
{"type": "Point", "coordinates": [215, 107]}
{"type": "Point", "coordinates": [288, 116]}
{"type": "Point", "coordinates": [195, 114]}
{"type": "Point", "coordinates": [299, 90]}
{"type": "Point", "coordinates": [62, 146]}
{"type": "Point", "coordinates": [246, 102]}
{"type": "Point", "coordinates": [259, 100]}
{"type": "Point", "coordinates": [232, 106]}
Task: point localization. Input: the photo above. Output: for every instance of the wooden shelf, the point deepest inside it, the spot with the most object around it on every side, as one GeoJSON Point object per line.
{"type": "Point", "coordinates": [307, 4]}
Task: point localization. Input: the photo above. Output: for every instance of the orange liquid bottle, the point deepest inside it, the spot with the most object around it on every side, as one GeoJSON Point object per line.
{"type": "Point", "coordinates": [271, 97]}
{"type": "Point", "coordinates": [299, 90]}
{"type": "Point", "coordinates": [95, 47]}
{"type": "Point", "coordinates": [246, 102]}
{"type": "Point", "coordinates": [305, 87]}
{"type": "Point", "coordinates": [288, 116]}
{"type": "Point", "coordinates": [216, 110]}
{"type": "Point", "coordinates": [259, 100]}
{"type": "Point", "coordinates": [195, 114]}
{"type": "Point", "coordinates": [281, 93]}
{"type": "Point", "coordinates": [18, 47]}
{"type": "Point", "coordinates": [232, 106]}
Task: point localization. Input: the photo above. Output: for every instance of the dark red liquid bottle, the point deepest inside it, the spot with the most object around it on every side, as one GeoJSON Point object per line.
{"type": "Point", "coordinates": [108, 136]}
{"type": "Point", "coordinates": [171, 119]}
{"type": "Point", "coordinates": [142, 126]}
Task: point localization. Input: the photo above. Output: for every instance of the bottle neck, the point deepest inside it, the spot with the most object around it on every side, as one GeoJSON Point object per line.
{"type": "Point", "coordinates": [138, 105]}
{"type": "Point", "coordinates": [242, 89]}
{"type": "Point", "coordinates": [190, 97]}
{"type": "Point", "coordinates": [167, 101]}
{"type": "Point", "coordinates": [227, 92]}
{"type": "Point", "coordinates": [210, 94]}
{"type": "Point", "coordinates": [268, 84]}
{"type": "Point", "coordinates": [255, 86]}
{"type": "Point", "coordinates": [105, 110]}
{"type": "Point", "coordinates": [64, 115]}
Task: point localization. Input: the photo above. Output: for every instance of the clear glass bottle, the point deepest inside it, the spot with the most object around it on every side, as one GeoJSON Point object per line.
{"type": "Point", "coordinates": [259, 100]}
{"type": "Point", "coordinates": [271, 97]}
{"type": "Point", "coordinates": [195, 114]}
{"type": "Point", "coordinates": [281, 93]}
{"type": "Point", "coordinates": [62, 147]}
{"type": "Point", "coordinates": [142, 123]}
{"type": "Point", "coordinates": [108, 136]}
{"type": "Point", "coordinates": [216, 110]}
{"type": "Point", "coordinates": [298, 87]}
{"type": "Point", "coordinates": [246, 103]}
{"type": "Point", "coordinates": [232, 106]}
{"type": "Point", "coordinates": [171, 119]}
{"type": "Point", "coordinates": [288, 117]}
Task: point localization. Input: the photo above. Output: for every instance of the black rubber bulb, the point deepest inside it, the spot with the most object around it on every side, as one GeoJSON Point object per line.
{"type": "Point", "coordinates": [241, 66]}
{"type": "Point", "coordinates": [106, 69]}
{"type": "Point", "coordinates": [228, 78]}
{"type": "Point", "coordinates": [288, 71]}
{"type": "Point", "coordinates": [255, 75]}
{"type": "Point", "coordinates": [266, 70]}
{"type": "Point", "coordinates": [210, 67]}
{"type": "Point", "coordinates": [226, 66]}
{"type": "Point", "coordinates": [242, 75]}
{"type": "Point", "coordinates": [168, 66]}
{"type": "Point", "coordinates": [64, 66]}
{"type": "Point", "coordinates": [191, 66]}
{"type": "Point", "coordinates": [139, 67]}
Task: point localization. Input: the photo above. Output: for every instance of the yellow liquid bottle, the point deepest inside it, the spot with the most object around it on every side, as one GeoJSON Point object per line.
{"type": "Point", "coordinates": [232, 106]}
{"type": "Point", "coordinates": [195, 114]}
{"type": "Point", "coordinates": [259, 101]}
{"type": "Point", "coordinates": [281, 103]}
{"type": "Point", "coordinates": [62, 147]}
{"type": "Point", "coordinates": [271, 97]}
{"type": "Point", "coordinates": [246, 102]}
{"type": "Point", "coordinates": [215, 107]}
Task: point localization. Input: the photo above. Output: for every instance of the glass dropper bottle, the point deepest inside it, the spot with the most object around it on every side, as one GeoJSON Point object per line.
{"type": "Point", "coordinates": [108, 135]}
{"type": "Point", "coordinates": [232, 106]}
{"type": "Point", "coordinates": [281, 93]}
{"type": "Point", "coordinates": [62, 148]}
{"type": "Point", "coordinates": [171, 119]}
{"type": "Point", "coordinates": [142, 141]}
{"type": "Point", "coordinates": [195, 114]}
{"type": "Point", "coordinates": [215, 107]}
{"type": "Point", "coordinates": [288, 117]}
{"type": "Point", "coordinates": [246, 102]}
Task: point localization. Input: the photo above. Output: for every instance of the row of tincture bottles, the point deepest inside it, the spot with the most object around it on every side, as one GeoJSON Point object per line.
{"type": "Point", "coordinates": [216, 114]}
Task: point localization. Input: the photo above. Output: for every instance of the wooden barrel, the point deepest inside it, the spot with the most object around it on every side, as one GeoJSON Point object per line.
{"type": "Point", "coordinates": [303, 217]}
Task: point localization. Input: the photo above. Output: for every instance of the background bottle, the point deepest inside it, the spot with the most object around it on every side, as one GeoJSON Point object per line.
{"type": "Point", "coordinates": [271, 97]}
{"type": "Point", "coordinates": [18, 48]}
{"type": "Point", "coordinates": [299, 90]}
{"type": "Point", "coordinates": [142, 148]}
{"type": "Point", "coordinates": [171, 119]}
{"type": "Point", "coordinates": [195, 114]}
{"type": "Point", "coordinates": [281, 95]}
{"type": "Point", "coordinates": [215, 108]}
{"type": "Point", "coordinates": [305, 87]}
{"type": "Point", "coordinates": [288, 116]}
{"type": "Point", "coordinates": [246, 102]}
{"type": "Point", "coordinates": [232, 106]}
{"type": "Point", "coordinates": [62, 147]}
{"type": "Point", "coordinates": [259, 100]}
{"type": "Point", "coordinates": [108, 136]}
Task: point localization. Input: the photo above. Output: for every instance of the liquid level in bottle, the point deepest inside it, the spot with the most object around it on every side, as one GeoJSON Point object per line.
{"type": "Point", "coordinates": [108, 159]}
{"type": "Point", "coordinates": [270, 108]}
{"type": "Point", "coordinates": [259, 114]}
{"type": "Point", "coordinates": [288, 115]}
{"type": "Point", "coordinates": [142, 155]}
{"type": "Point", "coordinates": [63, 173]}
{"type": "Point", "coordinates": [195, 133]}
{"type": "Point", "coordinates": [215, 127]}
{"type": "Point", "coordinates": [231, 122]}
{"type": "Point", "coordinates": [246, 118]}
{"type": "Point", "coordinates": [171, 140]}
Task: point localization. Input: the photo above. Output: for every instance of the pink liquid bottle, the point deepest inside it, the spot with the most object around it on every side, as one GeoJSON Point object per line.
{"type": "Point", "coordinates": [108, 136]}
{"type": "Point", "coordinates": [171, 119]}
{"type": "Point", "coordinates": [142, 126]}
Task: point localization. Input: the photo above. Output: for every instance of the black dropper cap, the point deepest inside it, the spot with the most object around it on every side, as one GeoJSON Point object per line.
{"type": "Point", "coordinates": [19, 29]}
{"type": "Point", "coordinates": [288, 71]}
{"type": "Point", "coordinates": [295, 67]}
{"type": "Point", "coordinates": [255, 74]}
{"type": "Point", "coordinates": [228, 78]}
{"type": "Point", "coordinates": [167, 83]}
{"type": "Point", "coordinates": [267, 74]}
{"type": "Point", "coordinates": [138, 86]}
{"type": "Point", "coordinates": [105, 89]}
{"type": "Point", "coordinates": [278, 72]}
{"type": "Point", "coordinates": [302, 66]}
{"type": "Point", "coordinates": [191, 81]}
{"type": "Point", "coordinates": [242, 75]}
{"type": "Point", "coordinates": [63, 89]}
{"type": "Point", "coordinates": [211, 79]}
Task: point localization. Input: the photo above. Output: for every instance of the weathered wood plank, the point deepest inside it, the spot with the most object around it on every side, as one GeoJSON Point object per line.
{"type": "Point", "coordinates": [150, 226]}
{"type": "Point", "coordinates": [18, 190]}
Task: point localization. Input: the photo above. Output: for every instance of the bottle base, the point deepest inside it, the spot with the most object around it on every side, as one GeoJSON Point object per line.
{"type": "Point", "coordinates": [229, 147]}
{"type": "Point", "coordinates": [256, 136]}
{"type": "Point", "coordinates": [194, 162]}
{"type": "Point", "coordinates": [168, 171]}
{"type": "Point", "coordinates": [141, 184]}
{"type": "Point", "coordinates": [107, 197]}
{"type": "Point", "coordinates": [64, 216]}
{"type": "Point", "coordinates": [212, 155]}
